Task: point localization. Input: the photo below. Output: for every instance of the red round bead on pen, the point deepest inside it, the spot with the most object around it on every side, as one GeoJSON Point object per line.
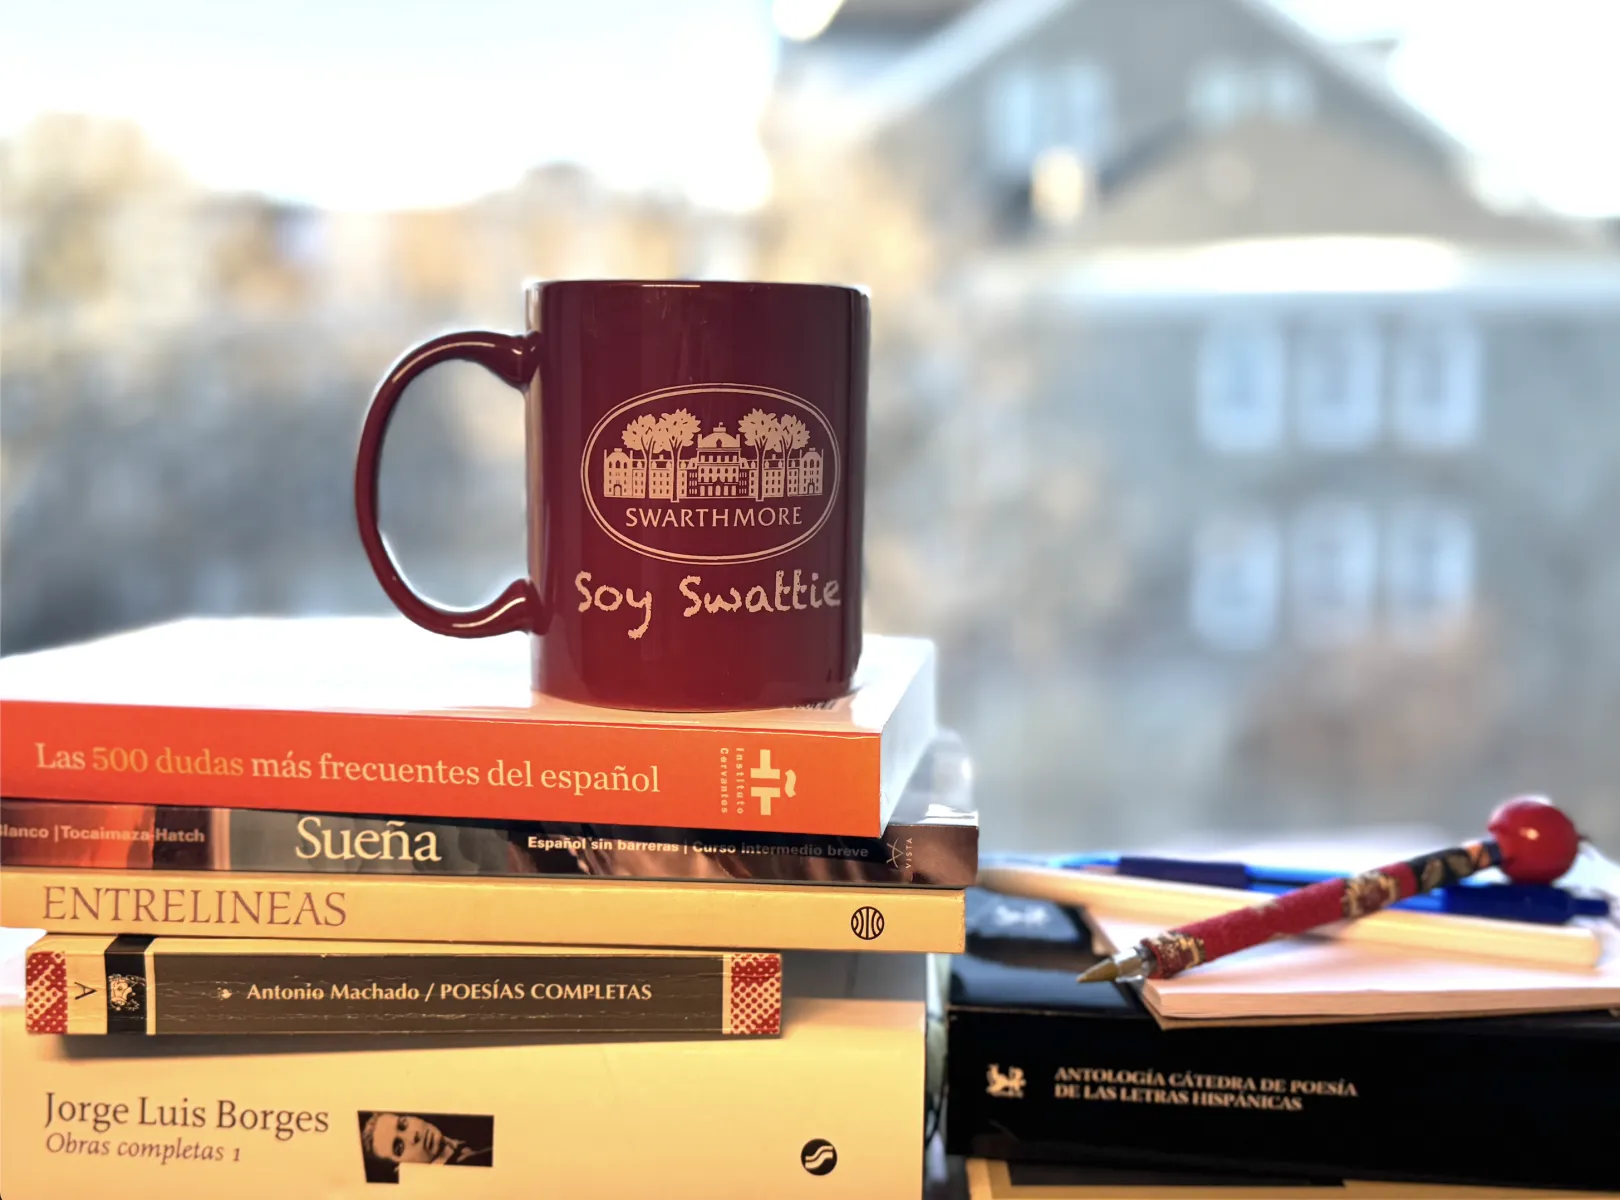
{"type": "Point", "coordinates": [1531, 842]}
{"type": "Point", "coordinates": [1539, 843]}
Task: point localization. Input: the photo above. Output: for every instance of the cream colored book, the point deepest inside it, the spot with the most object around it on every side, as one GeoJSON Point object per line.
{"type": "Point", "coordinates": [1308, 978]}
{"type": "Point", "coordinates": [991, 1179]}
{"type": "Point", "coordinates": [594, 912]}
{"type": "Point", "coordinates": [832, 1108]}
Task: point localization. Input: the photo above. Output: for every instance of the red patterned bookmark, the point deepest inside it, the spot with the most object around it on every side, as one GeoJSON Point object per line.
{"type": "Point", "coordinates": [754, 995]}
{"type": "Point", "coordinates": [46, 1004]}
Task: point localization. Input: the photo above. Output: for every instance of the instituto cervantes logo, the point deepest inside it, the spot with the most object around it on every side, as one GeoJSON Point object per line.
{"type": "Point", "coordinates": [755, 776]}
{"type": "Point", "coordinates": [712, 473]}
{"type": "Point", "coordinates": [769, 781]}
{"type": "Point", "coordinates": [1008, 1085]}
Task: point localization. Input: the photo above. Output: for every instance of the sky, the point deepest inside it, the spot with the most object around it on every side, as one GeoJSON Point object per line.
{"type": "Point", "coordinates": [361, 104]}
{"type": "Point", "coordinates": [1530, 85]}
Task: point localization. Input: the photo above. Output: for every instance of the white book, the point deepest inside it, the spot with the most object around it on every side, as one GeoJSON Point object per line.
{"type": "Point", "coordinates": [835, 1107]}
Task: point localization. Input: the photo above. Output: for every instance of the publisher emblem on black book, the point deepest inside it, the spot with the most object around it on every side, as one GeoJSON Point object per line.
{"type": "Point", "coordinates": [866, 923]}
{"type": "Point", "coordinates": [126, 993]}
{"type": "Point", "coordinates": [1008, 1084]}
{"type": "Point", "coordinates": [390, 1139]}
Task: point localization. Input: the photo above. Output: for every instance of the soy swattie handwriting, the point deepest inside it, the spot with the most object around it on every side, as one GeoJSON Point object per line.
{"type": "Point", "coordinates": [786, 594]}
{"type": "Point", "coordinates": [1531, 841]}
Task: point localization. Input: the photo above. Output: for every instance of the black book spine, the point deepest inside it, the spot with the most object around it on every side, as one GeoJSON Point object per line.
{"type": "Point", "coordinates": [59, 833]}
{"type": "Point", "coordinates": [149, 989]}
{"type": "Point", "coordinates": [1459, 1102]}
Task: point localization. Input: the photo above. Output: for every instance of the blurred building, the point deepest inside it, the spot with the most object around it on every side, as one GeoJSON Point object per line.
{"type": "Point", "coordinates": [185, 374]}
{"type": "Point", "coordinates": [1244, 440]}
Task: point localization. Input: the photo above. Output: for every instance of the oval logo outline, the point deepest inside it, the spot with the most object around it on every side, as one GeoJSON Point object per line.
{"type": "Point", "coordinates": [830, 489]}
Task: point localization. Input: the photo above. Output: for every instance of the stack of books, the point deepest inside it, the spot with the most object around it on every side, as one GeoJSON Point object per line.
{"type": "Point", "coordinates": [332, 903]}
{"type": "Point", "coordinates": [1301, 1067]}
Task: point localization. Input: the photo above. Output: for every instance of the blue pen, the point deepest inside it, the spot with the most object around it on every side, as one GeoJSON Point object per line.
{"type": "Point", "coordinates": [1542, 904]}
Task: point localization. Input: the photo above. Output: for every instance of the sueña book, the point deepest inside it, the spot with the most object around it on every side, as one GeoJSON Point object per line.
{"type": "Point", "coordinates": [373, 715]}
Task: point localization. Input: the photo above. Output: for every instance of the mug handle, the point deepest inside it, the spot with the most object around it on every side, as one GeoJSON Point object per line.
{"type": "Point", "coordinates": [512, 359]}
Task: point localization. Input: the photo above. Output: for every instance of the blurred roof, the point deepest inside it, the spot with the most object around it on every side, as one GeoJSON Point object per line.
{"type": "Point", "coordinates": [1353, 270]}
{"type": "Point", "coordinates": [897, 15]}
{"type": "Point", "coordinates": [978, 32]}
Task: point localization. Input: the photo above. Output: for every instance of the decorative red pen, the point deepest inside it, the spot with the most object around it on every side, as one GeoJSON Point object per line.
{"type": "Point", "coordinates": [1531, 841]}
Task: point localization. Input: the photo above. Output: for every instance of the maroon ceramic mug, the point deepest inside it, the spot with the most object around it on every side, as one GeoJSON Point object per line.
{"type": "Point", "coordinates": [696, 475]}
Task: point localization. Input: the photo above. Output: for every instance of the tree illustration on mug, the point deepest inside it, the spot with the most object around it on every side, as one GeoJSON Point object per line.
{"type": "Point", "coordinates": [672, 432]}
{"type": "Point", "coordinates": [640, 435]}
{"type": "Point", "coordinates": [782, 463]}
{"type": "Point", "coordinates": [761, 431]}
{"type": "Point", "coordinates": [795, 433]}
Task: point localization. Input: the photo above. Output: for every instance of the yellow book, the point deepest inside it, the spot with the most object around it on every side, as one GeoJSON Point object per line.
{"type": "Point", "coordinates": [597, 912]}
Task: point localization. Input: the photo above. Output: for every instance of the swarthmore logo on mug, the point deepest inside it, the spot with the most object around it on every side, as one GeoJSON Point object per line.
{"type": "Point", "coordinates": [713, 473]}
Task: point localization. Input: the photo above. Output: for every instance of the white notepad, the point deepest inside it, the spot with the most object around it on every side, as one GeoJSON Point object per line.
{"type": "Point", "coordinates": [1311, 978]}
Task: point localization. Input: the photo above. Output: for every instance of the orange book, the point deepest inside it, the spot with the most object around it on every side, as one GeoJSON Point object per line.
{"type": "Point", "coordinates": [373, 715]}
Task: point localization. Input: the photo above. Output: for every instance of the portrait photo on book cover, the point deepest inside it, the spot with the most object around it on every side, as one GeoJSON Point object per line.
{"type": "Point", "coordinates": [388, 1139]}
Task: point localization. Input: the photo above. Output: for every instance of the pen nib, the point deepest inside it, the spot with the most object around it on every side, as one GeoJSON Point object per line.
{"type": "Point", "coordinates": [1121, 966]}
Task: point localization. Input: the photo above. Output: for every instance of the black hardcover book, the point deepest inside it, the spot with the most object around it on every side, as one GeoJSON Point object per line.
{"type": "Point", "coordinates": [1043, 1069]}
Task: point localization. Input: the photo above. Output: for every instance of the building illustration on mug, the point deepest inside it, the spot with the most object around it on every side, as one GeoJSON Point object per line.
{"type": "Point", "coordinates": [769, 457]}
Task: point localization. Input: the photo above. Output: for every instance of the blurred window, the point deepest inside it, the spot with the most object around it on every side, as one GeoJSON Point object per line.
{"type": "Point", "coordinates": [1333, 568]}
{"type": "Point", "coordinates": [1068, 106]}
{"type": "Point", "coordinates": [1429, 572]}
{"type": "Point", "coordinates": [1436, 374]}
{"type": "Point", "coordinates": [1088, 110]}
{"type": "Point", "coordinates": [1223, 92]}
{"type": "Point", "coordinates": [1013, 120]}
{"type": "Point", "coordinates": [1218, 94]}
{"type": "Point", "coordinates": [1336, 386]}
{"type": "Point", "coordinates": [1241, 377]}
{"type": "Point", "coordinates": [1286, 91]}
{"type": "Point", "coordinates": [1235, 582]}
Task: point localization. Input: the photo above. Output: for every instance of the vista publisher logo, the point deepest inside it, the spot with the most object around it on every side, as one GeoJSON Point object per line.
{"type": "Point", "coordinates": [819, 1156]}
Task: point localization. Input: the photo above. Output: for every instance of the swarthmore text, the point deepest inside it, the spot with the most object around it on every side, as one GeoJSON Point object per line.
{"type": "Point", "coordinates": [195, 906]}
